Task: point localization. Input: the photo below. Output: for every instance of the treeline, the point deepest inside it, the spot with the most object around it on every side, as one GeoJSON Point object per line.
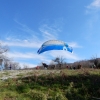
{"type": "Point", "coordinates": [7, 63]}
{"type": "Point", "coordinates": [58, 63]}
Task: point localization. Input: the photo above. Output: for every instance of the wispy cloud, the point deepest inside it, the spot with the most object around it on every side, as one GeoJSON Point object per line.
{"type": "Point", "coordinates": [93, 13]}
{"type": "Point", "coordinates": [51, 30]}
{"type": "Point", "coordinates": [94, 4]}
{"type": "Point", "coordinates": [28, 65]}
{"type": "Point", "coordinates": [48, 32]}
{"type": "Point", "coordinates": [34, 40]}
{"type": "Point", "coordinates": [18, 56]}
{"type": "Point", "coordinates": [75, 45]}
{"type": "Point", "coordinates": [30, 55]}
{"type": "Point", "coordinates": [28, 32]}
{"type": "Point", "coordinates": [93, 7]}
{"type": "Point", "coordinates": [22, 43]}
{"type": "Point", "coordinates": [29, 38]}
{"type": "Point", "coordinates": [62, 53]}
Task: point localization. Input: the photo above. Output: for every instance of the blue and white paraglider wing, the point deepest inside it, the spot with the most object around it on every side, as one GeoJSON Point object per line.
{"type": "Point", "coordinates": [54, 45]}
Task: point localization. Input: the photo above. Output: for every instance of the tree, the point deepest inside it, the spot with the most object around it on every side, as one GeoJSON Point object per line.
{"type": "Point", "coordinates": [25, 66]}
{"type": "Point", "coordinates": [95, 60]}
{"type": "Point", "coordinates": [14, 65]}
{"type": "Point", "coordinates": [7, 61]}
{"type": "Point", "coordinates": [60, 61]}
{"type": "Point", "coordinates": [3, 49]}
{"type": "Point", "coordinates": [52, 65]}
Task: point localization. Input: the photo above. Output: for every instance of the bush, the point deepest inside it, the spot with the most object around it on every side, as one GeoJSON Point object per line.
{"type": "Point", "coordinates": [74, 94]}
{"type": "Point", "coordinates": [37, 95]}
{"type": "Point", "coordinates": [60, 97]}
{"type": "Point", "coordinates": [22, 88]}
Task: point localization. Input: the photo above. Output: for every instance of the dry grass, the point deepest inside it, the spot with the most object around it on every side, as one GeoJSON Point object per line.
{"type": "Point", "coordinates": [64, 84]}
{"type": "Point", "coordinates": [24, 73]}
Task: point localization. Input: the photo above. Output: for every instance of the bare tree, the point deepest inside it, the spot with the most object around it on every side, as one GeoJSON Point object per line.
{"type": "Point", "coordinates": [8, 63]}
{"type": "Point", "coordinates": [60, 61]}
{"type": "Point", "coordinates": [14, 65]}
{"type": "Point", "coordinates": [52, 65]}
{"type": "Point", "coordinates": [95, 61]}
{"type": "Point", "coordinates": [25, 66]}
{"type": "Point", "coordinates": [3, 49]}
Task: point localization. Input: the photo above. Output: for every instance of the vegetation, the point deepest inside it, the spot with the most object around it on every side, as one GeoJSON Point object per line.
{"type": "Point", "coordinates": [82, 84]}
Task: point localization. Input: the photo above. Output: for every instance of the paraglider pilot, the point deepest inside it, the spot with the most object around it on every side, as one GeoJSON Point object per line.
{"type": "Point", "coordinates": [45, 65]}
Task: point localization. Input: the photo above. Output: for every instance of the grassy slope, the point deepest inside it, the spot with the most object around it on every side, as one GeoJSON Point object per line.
{"type": "Point", "coordinates": [82, 84]}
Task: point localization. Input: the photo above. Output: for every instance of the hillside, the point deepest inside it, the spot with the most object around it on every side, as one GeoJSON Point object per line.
{"type": "Point", "coordinates": [82, 84]}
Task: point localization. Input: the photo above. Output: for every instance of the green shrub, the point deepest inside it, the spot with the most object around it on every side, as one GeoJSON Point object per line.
{"type": "Point", "coordinates": [57, 96]}
{"type": "Point", "coordinates": [76, 94]}
{"type": "Point", "coordinates": [22, 88]}
{"type": "Point", "coordinates": [37, 95]}
{"type": "Point", "coordinates": [60, 97]}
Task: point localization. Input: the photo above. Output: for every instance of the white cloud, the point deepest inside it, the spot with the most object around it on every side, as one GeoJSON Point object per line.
{"type": "Point", "coordinates": [93, 8]}
{"type": "Point", "coordinates": [35, 41]}
{"type": "Point", "coordinates": [20, 57]}
{"type": "Point", "coordinates": [48, 32]}
{"type": "Point", "coordinates": [64, 54]}
{"type": "Point", "coordinates": [92, 22]}
{"type": "Point", "coordinates": [22, 43]}
{"type": "Point", "coordinates": [29, 65]}
{"type": "Point", "coordinates": [51, 30]}
{"type": "Point", "coordinates": [74, 45]}
{"type": "Point", "coordinates": [29, 55]}
{"type": "Point", "coordinates": [32, 39]}
{"type": "Point", "coordinates": [24, 27]}
{"type": "Point", "coordinates": [94, 4]}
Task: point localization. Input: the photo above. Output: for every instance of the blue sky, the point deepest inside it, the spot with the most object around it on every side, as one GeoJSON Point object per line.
{"type": "Point", "coordinates": [26, 24]}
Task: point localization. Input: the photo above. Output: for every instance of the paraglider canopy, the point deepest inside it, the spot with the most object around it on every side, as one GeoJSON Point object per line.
{"type": "Point", "coordinates": [54, 45]}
